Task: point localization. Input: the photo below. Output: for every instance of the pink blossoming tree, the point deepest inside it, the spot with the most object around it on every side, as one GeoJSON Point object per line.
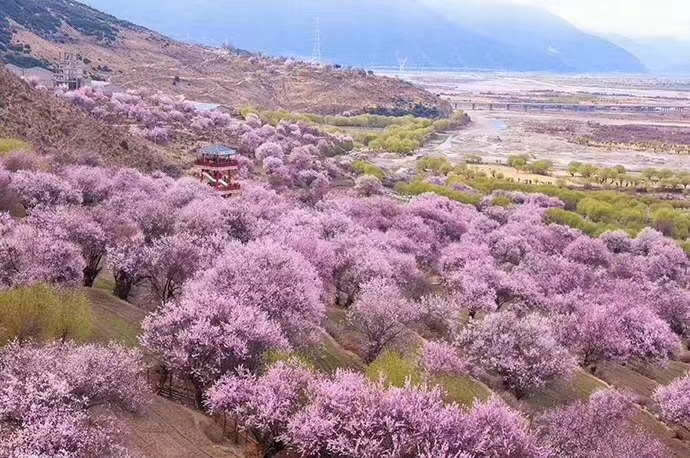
{"type": "Point", "coordinates": [524, 351]}
{"type": "Point", "coordinates": [674, 401]}
{"type": "Point", "coordinates": [52, 399]}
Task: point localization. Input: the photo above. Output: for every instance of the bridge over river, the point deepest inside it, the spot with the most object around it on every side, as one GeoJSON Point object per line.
{"type": "Point", "coordinates": [564, 107]}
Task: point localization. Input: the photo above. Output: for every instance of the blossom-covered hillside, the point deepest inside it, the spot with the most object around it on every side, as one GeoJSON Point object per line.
{"type": "Point", "coordinates": [483, 296]}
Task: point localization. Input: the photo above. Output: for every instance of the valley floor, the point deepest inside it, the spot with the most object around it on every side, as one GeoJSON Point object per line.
{"type": "Point", "coordinates": [495, 135]}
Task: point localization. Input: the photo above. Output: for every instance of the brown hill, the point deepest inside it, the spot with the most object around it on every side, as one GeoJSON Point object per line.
{"type": "Point", "coordinates": [133, 57]}
{"type": "Point", "coordinates": [54, 127]}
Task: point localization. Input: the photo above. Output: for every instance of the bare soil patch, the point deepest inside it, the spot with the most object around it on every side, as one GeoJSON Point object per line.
{"type": "Point", "coordinates": [639, 136]}
{"type": "Point", "coordinates": [173, 431]}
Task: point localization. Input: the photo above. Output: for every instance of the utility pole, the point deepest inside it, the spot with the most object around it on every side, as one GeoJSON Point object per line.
{"type": "Point", "coordinates": [316, 54]}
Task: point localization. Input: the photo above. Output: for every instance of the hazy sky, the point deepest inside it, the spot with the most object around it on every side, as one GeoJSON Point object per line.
{"type": "Point", "coordinates": [631, 18]}
{"type": "Point", "coordinates": [626, 17]}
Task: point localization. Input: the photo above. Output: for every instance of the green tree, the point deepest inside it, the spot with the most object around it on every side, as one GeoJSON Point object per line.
{"type": "Point", "coordinates": [604, 175]}
{"type": "Point", "coordinates": [665, 174]}
{"type": "Point", "coordinates": [541, 167]}
{"type": "Point", "coordinates": [684, 179]}
{"type": "Point", "coordinates": [587, 170]}
{"type": "Point", "coordinates": [473, 159]}
{"type": "Point", "coordinates": [595, 210]}
{"type": "Point", "coordinates": [671, 222]}
{"type": "Point", "coordinates": [571, 219]}
{"type": "Point", "coordinates": [651, 175]}
{"type": "Point", "coordinates": [518, 161]}
{"type": "Point", "coordinates": [438, 165]}
{"type": "Point", "coordinates": [624, 179]}
{"type": "Point", "coordinates": [574, 168]}
{"type": "Point", "coordinates": [634, 216]}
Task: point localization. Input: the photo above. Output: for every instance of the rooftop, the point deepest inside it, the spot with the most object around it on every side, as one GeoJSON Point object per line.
{"type": "Point", "coordinates": [39, 72]}
{"type": "Point", "coordinates": [202, 106]}
{"type": "Point", "coordinates": [218, 151]}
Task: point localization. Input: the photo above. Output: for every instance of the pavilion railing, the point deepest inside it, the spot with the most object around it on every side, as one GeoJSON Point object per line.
{"type": "Point", "coordinates": [216, 163]}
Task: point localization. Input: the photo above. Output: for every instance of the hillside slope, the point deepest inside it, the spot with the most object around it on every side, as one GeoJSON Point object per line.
{"type": "Point", "coordinates": [132, 56]}
{"type": "Point", "coordinates": [166, 429]}
{"type": "Point", "coordinates": [59, 129]}
{"type": "Point", "coordinates": [375, 33]}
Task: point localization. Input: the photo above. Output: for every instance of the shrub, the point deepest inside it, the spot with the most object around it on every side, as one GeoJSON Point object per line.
{"type": "Point", "coordinates": [44, 313]}
{"type": "Point", "coordinates": [437, 165]}
{"type": "Point", "coordinates": [406, 137]}
{"type": "Point", "coordinates": [473, 159]}
{"type": "Point", "coordinates": [419, 187]}
{"type": "Point", "coordinates": [365, 168]}
{"type": "Point", "coordinates": [394, 370]}
{"type": "Point", "coordinates": [12, 144]}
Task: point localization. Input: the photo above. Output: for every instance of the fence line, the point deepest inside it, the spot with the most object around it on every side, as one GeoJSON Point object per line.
{"type": "Point", "coordinates": [180, 391]}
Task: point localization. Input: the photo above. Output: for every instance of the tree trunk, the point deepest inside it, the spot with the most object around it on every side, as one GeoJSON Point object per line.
{"type": "Point", "coordinates": [123, 286]}
{"type": "Point", "coordinates": [90, 275]}
{"type": "Point", "coordinates": [199, 398]}
{"type": "Point", "coordinates": [372, 353]}
{"type": "Point", "coordinates": [199, 390]}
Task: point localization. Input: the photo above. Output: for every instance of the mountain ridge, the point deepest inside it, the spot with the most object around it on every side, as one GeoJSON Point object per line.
{"type": "Point", "coordinates": [131, 56]}
{"type": "Point", "coordinates": [383, 33]}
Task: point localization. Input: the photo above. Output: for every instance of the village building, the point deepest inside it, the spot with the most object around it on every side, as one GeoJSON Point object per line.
{"type": "Point", "coordinates": [71, 73]}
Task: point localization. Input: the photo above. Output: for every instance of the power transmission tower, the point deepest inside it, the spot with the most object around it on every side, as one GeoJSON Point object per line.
{"type": "Point", "coordinates": [316, 54]}
{"type": "Point", "coordinates": [402, 63]}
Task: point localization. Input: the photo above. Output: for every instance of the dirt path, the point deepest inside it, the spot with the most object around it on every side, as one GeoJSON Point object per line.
{"type": "Point", "coordinates": [172, 431]}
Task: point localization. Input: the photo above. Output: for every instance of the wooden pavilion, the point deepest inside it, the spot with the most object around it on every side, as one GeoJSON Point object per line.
{"type": "Point", "coordinates": [218, 165]}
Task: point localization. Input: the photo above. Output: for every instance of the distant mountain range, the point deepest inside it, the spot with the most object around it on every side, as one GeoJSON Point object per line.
{"type": "Point", "coordinates": [664, 56]}
{"type": "Point", "coordinates": [387, 33]}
